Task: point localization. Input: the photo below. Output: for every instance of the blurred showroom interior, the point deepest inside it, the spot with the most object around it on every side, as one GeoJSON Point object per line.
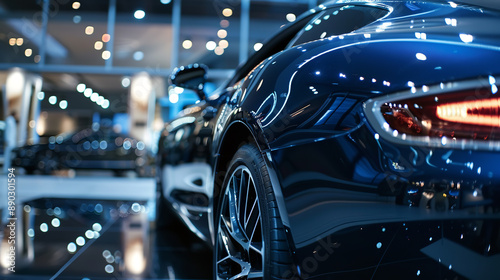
{"type": "Point", "coordinates": [76, 68]}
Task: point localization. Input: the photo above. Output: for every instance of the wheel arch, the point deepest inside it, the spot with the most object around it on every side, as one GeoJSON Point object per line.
{"type": "Point", "coordinates": [236, 135]}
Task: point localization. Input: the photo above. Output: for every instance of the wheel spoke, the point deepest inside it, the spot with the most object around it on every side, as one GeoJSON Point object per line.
{"type": "Point", "coordinates": [251, 212]}
{"type": "Point", "coordinates": [256, 275]}
{"type": "Point", "coordinates": [243, 266]}
{"type": "Point", "coordinates": [251, 194]}
{"type": "Point", "coordinates": [237, 229]}
{"type": "Point", "coordinates": [228, 240]}
{"type": "Point", "coordinates": [257, 224]}
{"type": "Point", "coordinates": [232, 197]}
{"type": "Point", "coordinates": [259, 251]}
{"type": "Point", "coordinates": [240, 252]}
{"type": "Point", "coordinates": [242, 197]}
{"type": "Point", "coordinates": [224, 259]}
{"type": "Point", "coordinates": [234, 232]}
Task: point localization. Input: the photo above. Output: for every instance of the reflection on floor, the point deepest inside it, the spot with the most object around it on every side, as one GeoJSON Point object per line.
{"type": "Point", "coordinates": [106, 239]}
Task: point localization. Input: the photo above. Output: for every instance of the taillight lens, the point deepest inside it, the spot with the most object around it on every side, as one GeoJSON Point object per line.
{"type": "Point", "coordinates": [457, 116]}
{"type": "Point", "coordinates": [464, 114]}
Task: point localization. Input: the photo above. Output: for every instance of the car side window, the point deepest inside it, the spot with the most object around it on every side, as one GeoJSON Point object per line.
{"type": "Point", "coordinates": [338, 21]}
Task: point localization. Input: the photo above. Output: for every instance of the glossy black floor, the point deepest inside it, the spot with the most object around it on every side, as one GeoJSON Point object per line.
{"type": "Point", "coordinates": [106, 239]}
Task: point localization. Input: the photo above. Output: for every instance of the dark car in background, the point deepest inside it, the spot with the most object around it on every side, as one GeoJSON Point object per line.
{"type": "Point", "coordinates": [361, 142]}
{"type": "Point", "coordinates": [86, 149]}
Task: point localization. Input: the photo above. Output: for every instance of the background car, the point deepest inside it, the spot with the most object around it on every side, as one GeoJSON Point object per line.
{"type": "Point", "coordinates": [359, 142]}
{"type": "Point", "coordinates": [86, 149]}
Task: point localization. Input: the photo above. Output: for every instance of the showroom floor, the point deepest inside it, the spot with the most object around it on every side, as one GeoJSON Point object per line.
{"type": "Point", "coordinates": [94, 229]}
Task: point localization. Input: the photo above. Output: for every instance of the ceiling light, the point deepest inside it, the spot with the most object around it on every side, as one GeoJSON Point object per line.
{"type": "Point", "coordinates": [165, 2]}
{"type": "Point", "coordinates": [37, 58]}
{"type": "Point", "coordinates": [80, 241]}
{"type": "Point", "coordinates": [77, 19]}
{"type": "Point", "coordinates": [187, 44]}
{"type": "Point", "coordinates": [223, 44]}
{"type": "Point", "coordinates": [227, 12]}
{"type": "Point", "coordinates": [94, 97]}
{"type": "Point", "coordinates": [19, 41]}
{"type": "Point", "coordinates": [71, 247]}
{"type": "Point", "coordinates": [106, 38]}
{"type": "Point", "coordinates": [257, 46]}
{"type": "Point", "coordinates": [52, 100]}
{"type": "Point", "coordinates": [99, 100]}
{"type": "Point", "coordinates": [44, 227]}
{"type": "Point", "coordinates": [87, 92]}
{"type": "Point", "coordinates": [224, 23]}
{"type": "Point", "coordinates": [106, 55]}
{"type": "Point", "coordinates": [89, 234]}
{"type": "Point", "coordinates": [28, 52]}
{"type": "Point", "coordinates": [109, 269]}
{"type": "Point", "coordinates": [89, 30]}
{"type": "Point", "coordinates": [222, 33]}
{"type": "Point", "coordinates": [98, 45]}
{"type": "Point", "coordinates": [81, 87]}
{"type": "Point", "coordinates": [125, 82]}
{"type": "Point", "coordinates": [12, 41]}
{"type": "Point", "coordinates": [41, 95]}
{"type": "Point", "coordinates": [138, 56]}
{"type": "Point", "coordinates": [211, 45]}
{"type": "Point", "coordinates": [63, 104]}
{"type": "Point", "coordinates": [291, 17]}
{"type": "Point", "coordinates": [105, 104]}
{"type": "Point", "coordinates": [97, 227]}
{"type": "Point", "coordinates": [76, 5]}
{"type": "Point", "coordinates": [219, 50]}
{"type": "Point", "coordinates": [139, 14]}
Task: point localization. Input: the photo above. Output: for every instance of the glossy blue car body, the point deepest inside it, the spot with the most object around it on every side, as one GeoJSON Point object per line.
{"type": "Point", "coordinates": [358, 199]}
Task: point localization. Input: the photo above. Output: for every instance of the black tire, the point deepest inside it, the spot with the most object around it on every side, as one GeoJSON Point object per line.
{"type": "Point", "coordinates": [239, 250]}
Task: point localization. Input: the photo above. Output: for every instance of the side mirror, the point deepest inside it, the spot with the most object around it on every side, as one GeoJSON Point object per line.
{"type": "Point", "coordinates": [191, 77]}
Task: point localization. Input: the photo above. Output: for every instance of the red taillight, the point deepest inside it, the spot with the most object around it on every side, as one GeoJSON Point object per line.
{"type": "Point", "coordinates": [450, 114]}
{"type": "Point", "coordinates": [461, 115]}
{"type": "Point", "coordinates": [478, 112]}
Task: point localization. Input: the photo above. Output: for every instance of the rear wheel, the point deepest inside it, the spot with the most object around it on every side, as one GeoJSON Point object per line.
{"type": "Point", "coordinates": [250, 242]}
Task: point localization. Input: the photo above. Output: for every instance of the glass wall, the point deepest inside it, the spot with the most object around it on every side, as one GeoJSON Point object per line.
{"type": "Point", "coordinates": [76, 33]}
{"type": "Point", "coordinates": [143, 34]}
{"type": "Point", "coordinates": [20, 31]}
{"type": "Point", "coordinates": [210, 33]}
{"type": "Point", "coordinates": [93, 48]}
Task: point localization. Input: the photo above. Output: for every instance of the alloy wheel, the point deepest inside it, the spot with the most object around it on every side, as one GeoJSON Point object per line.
{"type": "Point", "coordinates": [240, 239]}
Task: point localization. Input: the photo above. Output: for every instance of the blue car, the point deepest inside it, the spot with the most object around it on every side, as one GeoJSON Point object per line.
{"type": "Point", "coordinates": [361, 142]}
